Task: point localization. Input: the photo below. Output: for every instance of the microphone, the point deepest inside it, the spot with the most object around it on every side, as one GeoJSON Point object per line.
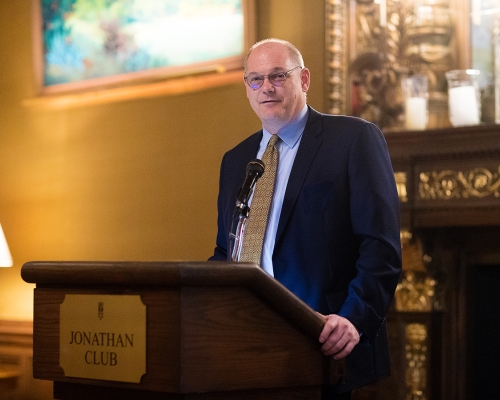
{"type": "Point", "coordinates": [255, 169]}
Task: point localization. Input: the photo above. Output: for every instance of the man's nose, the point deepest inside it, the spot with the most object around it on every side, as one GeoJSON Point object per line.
{"type": "Point", "coordinates": [267, 86]}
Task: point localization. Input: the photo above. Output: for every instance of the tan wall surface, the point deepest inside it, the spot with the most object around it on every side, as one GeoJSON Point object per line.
{"type": "Point", "coordinates": [130, 180]}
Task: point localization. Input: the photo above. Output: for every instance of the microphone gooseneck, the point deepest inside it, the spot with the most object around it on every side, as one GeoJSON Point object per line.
{"type": "Point", "coordinates": [255, 169]}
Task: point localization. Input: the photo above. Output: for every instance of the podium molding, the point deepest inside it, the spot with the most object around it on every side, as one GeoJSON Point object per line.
{"type": "Point", "coordinates": [213, 331]}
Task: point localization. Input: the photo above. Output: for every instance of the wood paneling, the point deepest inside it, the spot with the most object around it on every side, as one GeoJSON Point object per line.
{"type": "Point", "coordinates": [16, 364]}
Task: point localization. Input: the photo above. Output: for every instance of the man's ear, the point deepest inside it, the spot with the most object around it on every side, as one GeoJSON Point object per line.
{"type": "Point", "coordinates": [305, 79]}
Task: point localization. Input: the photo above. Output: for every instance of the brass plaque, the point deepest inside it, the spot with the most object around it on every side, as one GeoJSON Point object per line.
{"type": "Point", "coordinates": [103, 337]}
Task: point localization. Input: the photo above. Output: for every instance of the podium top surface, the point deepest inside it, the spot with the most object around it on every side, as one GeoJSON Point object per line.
{"type": "Point", "coordinates": [144, 275]}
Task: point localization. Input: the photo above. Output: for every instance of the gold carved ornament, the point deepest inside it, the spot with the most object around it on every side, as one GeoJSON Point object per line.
{"type": "Point", "coordinates": [450, 184]}
{"type": "Point", "coordinates": [416, 361]}
{"type": "Point", "coordinates": [404, 37]}
{"type": "Point", "coordinates": [337, 17]}
{"type": "Point", "coordinates": [416, 290]}
{"type": "Point", "coordinates": [401, 181]}
{"type": "Point", "coordinates": [415, 293]}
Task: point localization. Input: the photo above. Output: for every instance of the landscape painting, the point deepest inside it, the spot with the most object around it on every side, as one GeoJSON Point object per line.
{"type": "Point", "coordinates": [87, 42]}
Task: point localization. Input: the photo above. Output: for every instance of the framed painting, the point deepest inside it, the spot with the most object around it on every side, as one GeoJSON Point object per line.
{"type": "Point", "coordinates": [85, 44]}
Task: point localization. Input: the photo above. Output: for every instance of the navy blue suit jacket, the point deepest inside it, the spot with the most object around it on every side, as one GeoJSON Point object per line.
{"type": "Point", "coordinates": [338, 240]}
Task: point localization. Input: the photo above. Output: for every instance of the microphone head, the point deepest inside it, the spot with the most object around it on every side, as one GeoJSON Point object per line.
{"type": "Point", "coordinates": [255, 167]}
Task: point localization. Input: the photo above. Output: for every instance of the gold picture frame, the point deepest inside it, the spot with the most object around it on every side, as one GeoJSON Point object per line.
{"type": "Point", "coordinates": [66, 68]}
{"type": "Point", "coordinates": [358, 36]}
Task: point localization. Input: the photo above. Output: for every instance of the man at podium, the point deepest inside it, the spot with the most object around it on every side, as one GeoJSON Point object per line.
{"type": "Point", "coordinates": [324, 215]}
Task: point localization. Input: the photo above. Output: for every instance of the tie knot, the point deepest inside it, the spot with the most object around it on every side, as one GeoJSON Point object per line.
{"type": "Point", "coordinates": [274, 139]}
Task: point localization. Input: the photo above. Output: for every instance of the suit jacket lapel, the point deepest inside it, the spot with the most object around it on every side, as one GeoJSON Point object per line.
{"type": "Point", "coordinates": [250, 152]}
{"type": "Point", "coordinates": [309, 144]}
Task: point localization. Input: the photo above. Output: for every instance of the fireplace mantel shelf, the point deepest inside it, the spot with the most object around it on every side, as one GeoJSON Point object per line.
{"type": "Point", "coordinates": [443, 171]}
{"type": "Point", "coordinates": [404, 145]}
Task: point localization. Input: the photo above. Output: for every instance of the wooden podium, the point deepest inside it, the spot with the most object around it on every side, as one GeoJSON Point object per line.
{"type": "Point", "coordinates": [213, 331]}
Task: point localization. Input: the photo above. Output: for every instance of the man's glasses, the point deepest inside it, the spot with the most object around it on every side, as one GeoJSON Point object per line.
{"type": "Point", "coordinates": [255, 81]}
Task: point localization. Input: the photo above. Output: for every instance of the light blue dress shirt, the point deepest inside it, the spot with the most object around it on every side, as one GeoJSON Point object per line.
{"type": "Point", "coordinates": [288, 145]}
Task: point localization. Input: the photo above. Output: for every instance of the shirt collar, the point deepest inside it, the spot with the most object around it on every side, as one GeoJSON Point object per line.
{"type": "Point", "coordinates": [291, 133]}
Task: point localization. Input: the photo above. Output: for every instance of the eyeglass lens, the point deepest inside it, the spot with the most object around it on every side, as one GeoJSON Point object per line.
{"type": "Point", "coordinates": [255, 81]}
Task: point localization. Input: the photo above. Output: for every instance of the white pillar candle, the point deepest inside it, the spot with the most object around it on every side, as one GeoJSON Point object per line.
{"type": "Point", "coordinates": [416, 113]}
{"type": "Point", "coordinates": [383, 13]}
{"type": "Point", "coordinates": [463, 106]}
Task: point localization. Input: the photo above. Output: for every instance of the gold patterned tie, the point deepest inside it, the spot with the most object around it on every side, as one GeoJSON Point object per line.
{"type": "Point", "coordinates": [255, 230]}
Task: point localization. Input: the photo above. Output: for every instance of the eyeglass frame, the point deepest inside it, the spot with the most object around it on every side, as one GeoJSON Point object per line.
{"type": "Point", "coordinates": [271, 81]}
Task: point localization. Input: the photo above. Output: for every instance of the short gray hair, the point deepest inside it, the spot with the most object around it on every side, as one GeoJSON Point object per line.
{"type": "Point", "coordinates": [293, 52]}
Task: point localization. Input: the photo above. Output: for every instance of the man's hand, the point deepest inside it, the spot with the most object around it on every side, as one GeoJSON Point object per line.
{"type": "Point", "coordinates": [339, 336]}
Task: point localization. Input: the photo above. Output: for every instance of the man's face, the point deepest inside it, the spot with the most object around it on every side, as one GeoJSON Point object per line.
{"type": "Point", "coordinates": [276, 106]}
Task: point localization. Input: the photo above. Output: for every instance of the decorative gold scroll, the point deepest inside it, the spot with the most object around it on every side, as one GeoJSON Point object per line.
{"type": "Point", "coordinates": [401, 186]}
{"type": "Point", "coordinates": [336, 12]}
{"type": "Point", "coordinates": [416, 358]}
{"type": "Point", "coordinates": [415, 292]}
{"type": "Point", "coordinates": [450, 184]}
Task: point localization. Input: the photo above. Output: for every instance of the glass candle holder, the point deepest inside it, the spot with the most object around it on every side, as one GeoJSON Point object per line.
{"type": "Point", "coordinates": [415, 94]}
{"type": "Point", "coordinates": [464, 98]}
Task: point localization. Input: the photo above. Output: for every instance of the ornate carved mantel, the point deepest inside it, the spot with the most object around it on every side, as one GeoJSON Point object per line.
{"type": "Point", "coordinates": [450, 177]}
{"type": "Point", "coordinates": [449, 187]}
